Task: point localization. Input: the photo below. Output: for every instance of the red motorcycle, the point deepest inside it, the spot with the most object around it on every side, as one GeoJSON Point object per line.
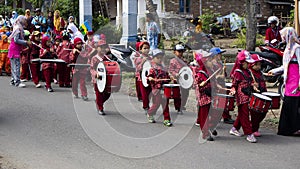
{"type": "Point", "coordinates": [272, 58]}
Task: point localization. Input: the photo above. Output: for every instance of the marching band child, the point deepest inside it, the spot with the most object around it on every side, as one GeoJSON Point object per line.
{"type": "Point", "coordinates": [241, 88]}
{"type": "Point", "coordinates": [24, 56]}
{"type": "Point", "coordinates": [144, 48]}
{"type": "Point", "coordinates": [175, 65]}
{"type": "Point", "coordinates": [158, 76]}
{"type": "Point", "coordinates": [79, 73]}
{"type": "Point", "coordinates": [4, 61]}
{"type": "Point", "coordinates": [257, 117]}
{"type": "Point", "coordinates": [101, 97]}
{"type": "Point", "coordinates": [57, 41]}
{"type": "Point", "coordinates": [203, 94]}
{"type": "Point", "coordinates": [220, 79]}
{"type": "Point", "coordinates": [34, 54]}
{"type": "Point", "coordinates": [47, 52]}
{"type": "Point", "coordinates": [138, 80]}
{"type": "Point", "coordinates": [63, 52]}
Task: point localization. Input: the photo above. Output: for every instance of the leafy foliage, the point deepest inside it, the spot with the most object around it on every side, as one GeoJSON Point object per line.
{"type": "Point", "coordinates": [240, 42]}
{"type": "Point", "coordinates": [113, 33]}
{"type": "Point", "coordinates": [99, 22]}
{"type": "Point", "coordinates": [207, 19]}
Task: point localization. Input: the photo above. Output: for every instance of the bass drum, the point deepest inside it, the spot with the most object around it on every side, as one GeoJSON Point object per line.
{"type": "Point", "coordinates": [145, 72]}
{"type": "Point", "coordinates": [110, 76]}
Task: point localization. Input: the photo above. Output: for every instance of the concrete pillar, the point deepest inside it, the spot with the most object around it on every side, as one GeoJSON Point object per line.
{"type": "Point", "coordinates": [129, 22]}
{"type": "Point", "coordinates": [141, 18]}
{"type": "Point", "coordinates": [85, 12]}
{"type": "Point", "coordinates": [119, 13]}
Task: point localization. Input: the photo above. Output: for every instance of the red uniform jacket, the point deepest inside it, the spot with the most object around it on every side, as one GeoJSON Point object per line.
{"type": "Point", "coordinates": [94, 63]}
{"type": "Point", "coordinates": [47, 55]}
{"type": "Point", "coordinates": [79, 58]}
{"type": "Point", "coordinates": [63, 51]}
{"type": "Point", "coordinates": [158, 71]}
{"type": "Point", "coordinates": [242, 83]}
{"type": "Point", "coordinates": [138, 61]}
{"type": "Point", "coordinates": [202, 93]}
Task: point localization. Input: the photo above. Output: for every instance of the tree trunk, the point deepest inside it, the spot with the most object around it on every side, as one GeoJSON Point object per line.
{"type": "Point", "coordinates": [251, 25]}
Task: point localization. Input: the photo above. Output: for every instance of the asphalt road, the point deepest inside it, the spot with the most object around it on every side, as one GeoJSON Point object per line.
{"type": "Point", "coordinates": [41, 130]}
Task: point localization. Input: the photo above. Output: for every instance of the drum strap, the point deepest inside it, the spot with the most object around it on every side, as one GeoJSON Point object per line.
{"type": "Point", "coordinates": [203, 72]}
{"type": "Point", "coordinates": [247, 78]}
{"type": "Point", "coordinates": [98, 57]}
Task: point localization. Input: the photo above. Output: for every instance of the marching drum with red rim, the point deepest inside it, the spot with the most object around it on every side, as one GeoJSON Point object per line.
{"type": "Point", "coordinates": [110, 76]}
{"type": "Point", "coordinates": [223, 102]}
{"type": "Point", "coordinates": [172, 91]}
{"type": "Point", "coordinates": [260, 103]}
{"type": "Point", "coordinates": [275, 99]}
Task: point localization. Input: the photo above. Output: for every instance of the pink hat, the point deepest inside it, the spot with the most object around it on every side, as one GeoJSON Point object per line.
{"type": "Point", "coordinates": [256, 57]}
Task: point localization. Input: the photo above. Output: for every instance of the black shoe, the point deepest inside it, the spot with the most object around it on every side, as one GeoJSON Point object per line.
{"type": "Point", "coordinates": [101, 112]}
{"type": "Point", "coordinates": [214, 133]}
{"type": "Point", "coordinates": [210, 138]}
{"type": "Point", "coordinates": [228, 121]}
{"type": "Point", "coordinates": [84, 98]}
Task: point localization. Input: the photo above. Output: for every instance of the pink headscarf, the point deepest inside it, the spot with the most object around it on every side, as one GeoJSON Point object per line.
{"type": "Point", "coordinates": [18, 27]}
{"type": "Point", "coordinates": [289, 35]}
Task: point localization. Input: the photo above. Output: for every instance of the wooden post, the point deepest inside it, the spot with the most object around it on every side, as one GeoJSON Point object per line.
{"type": "Point", "coordinates": [296, 18]}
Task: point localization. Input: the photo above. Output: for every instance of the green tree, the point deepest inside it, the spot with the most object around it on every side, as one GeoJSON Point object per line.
{"type": "Point", "coordinates": [207, 19]}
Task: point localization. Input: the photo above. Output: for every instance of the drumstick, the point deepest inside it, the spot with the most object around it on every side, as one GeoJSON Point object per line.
{"type": "Point", "coordinates": [36, 45]}
{"type": "Point", "coordinates": [67, 49]}
{"type": "Point", "coordinates": [255, 88]}
{"type": "Point", "coordinates": [212, 75]}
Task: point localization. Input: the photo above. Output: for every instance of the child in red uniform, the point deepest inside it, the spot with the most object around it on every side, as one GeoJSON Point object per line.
{"type": "Point", "coordinates": [138, 80]}
{"type": "Point", "coordinates": [203, 94]}
{"type": "Point", "coordinates": [257, 117]}
{"type": "Point", "coordinates": [220, 79]}
{"type": "Point", "coordinates": [101, 97]}
{"type": "Point", "coordinates": [34, 54]}
{"type": "Point", "coordinates": [47, 52]}
{"type": "Point", "coordinates": [24, 56]}
{"type": "Point", "coordinates": [175, 65]}
{"type": "Point", "coordinates": [144, 48]}
{"type": "Point", "coordinates": [158, 76]}
{"type": "Point", "coordinates": [57, 41]}
{"type": "Point", "coordinates": [63, 52]}
{"type": "Point", "coordinates": [242, 88]}
{"type": "Point", "coordinates": [79, 73]}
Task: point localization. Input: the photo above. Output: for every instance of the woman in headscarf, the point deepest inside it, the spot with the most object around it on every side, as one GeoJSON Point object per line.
{"type": "Point", "coordinates": [289, 123]}
{"type": "Point", "coordinates": [14, 16]}
{"type": "Point", "coordinates": [29, 18]}
{"type": "Point", "coordinates": [59, 22]}
{"type": "Point", "coordinates": [73, 30]}
{"type": "Point", "coordinates": [15, 47]}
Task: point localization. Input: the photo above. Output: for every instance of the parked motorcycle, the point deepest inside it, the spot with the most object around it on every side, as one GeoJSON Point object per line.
{"type": "Point", "coordinates": [272, 58]}
{"type": "Point", "coordinates": [123, 57]}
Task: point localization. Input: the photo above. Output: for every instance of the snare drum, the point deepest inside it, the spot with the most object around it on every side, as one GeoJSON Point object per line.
{"type": "Point", "coordinates": [171, 91]}
{"type": "Point", "coordinates": [223, 102]}
{"type": "Point", "coordinates": [275, 99]}
{"type": "Point", "coordinates": [260, 103]}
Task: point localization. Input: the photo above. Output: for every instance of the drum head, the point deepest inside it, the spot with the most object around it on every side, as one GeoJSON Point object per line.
{"type": "Point", "coordinates": [171, 85]}
{"type": "Point", "coordinates": [185, 78]}
{"type": "Point", "coordinates": [145, 72]}
{"type": "Point", "coordinates": [262, 96]}
{"type": "Point", "coordinates": [101, 82]}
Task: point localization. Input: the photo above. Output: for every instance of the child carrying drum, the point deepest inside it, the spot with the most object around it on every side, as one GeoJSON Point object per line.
{"type": "Point", "coordinates": [242, 88]}
{"type": "Point", "coordinates": [101, 97]}
{"type": "Point", "coordinates": [203, 94]}
{"type": "Point", "coordinates": [144, 48]}
{"type": "Point", "coordinates": [175, 65]}
{"type": "Point", "coordinates": [260, 86]}
{"type": "Point", "coordinates": [157, 77]}
{"type": "Point", "coordinates": [217, 54]}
